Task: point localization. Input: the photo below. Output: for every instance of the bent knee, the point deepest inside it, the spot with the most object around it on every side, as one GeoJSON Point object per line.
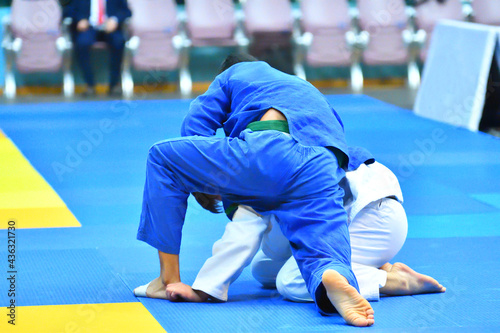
{"type": "Point", "coordinates": [283, 287]}
{"type": "Point", "coordinates": [159, 151]}
{"type": "Point", "coordinates": [154, 153]}
{"type": "Point", "coordinates": [292, 288]}
{"type": "Point", "coordinates": [261, 274]}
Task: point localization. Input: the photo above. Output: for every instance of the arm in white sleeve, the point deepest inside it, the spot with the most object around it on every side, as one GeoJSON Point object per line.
{"type": "Point", "coordinates": [232, 253]}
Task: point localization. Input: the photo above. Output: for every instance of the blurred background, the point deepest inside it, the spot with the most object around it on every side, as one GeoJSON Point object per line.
{"type": "Point", "coordinates": [172, 49]}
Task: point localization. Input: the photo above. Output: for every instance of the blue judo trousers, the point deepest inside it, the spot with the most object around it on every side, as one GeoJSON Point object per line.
{"type": "Point", "coordinates": [294, 176]}
{"type": "Point", "coordinates": [267, 170]}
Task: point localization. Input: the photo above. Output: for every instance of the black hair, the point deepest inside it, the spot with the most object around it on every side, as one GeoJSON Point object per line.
{"type": "Point", "coordinates": [235, 59]}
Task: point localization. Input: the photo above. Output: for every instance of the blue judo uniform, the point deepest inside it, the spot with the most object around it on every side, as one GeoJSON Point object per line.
{"type": "Point", "coordinates": [294, 176]}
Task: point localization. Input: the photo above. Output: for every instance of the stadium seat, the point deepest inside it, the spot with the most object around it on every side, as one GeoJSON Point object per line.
{"type": "Point", "coordinates": [391, 40]}
{"type": "Point", "coordinates": [269, 24]}
{"type": "Point", "coordinates": [213, 23]}
{"type": "Point", "coordinates": [268, 16]}
{"type": "Point", "coordinates": [328, 38]}
{"type": "Point", "coordinates": [486, 11]}
{"type": "Point", "coordinates": [155, 43]}
{"type": "Point", "coordinates": [429, 13]}
{"type": "Point", "coordinates": [35, 40]}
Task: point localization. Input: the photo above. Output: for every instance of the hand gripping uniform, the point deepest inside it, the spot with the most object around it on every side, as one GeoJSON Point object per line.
{"type": "Point", "coordinates": [294, 176]}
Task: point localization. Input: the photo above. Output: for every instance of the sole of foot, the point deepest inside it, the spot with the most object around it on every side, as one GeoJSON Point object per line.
{"type": "Point", "coordinates": [355, 310]}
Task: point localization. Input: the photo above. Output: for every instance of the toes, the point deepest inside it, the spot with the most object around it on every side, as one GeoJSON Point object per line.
{"type": "Point", "coordinates": [370, 314]}
{"type": "Point", "coordinates": [386, 267]}
{"type": "Point", "coordinates": [141, 291]}
{"type": "Point", "coordinates": [362, 322]}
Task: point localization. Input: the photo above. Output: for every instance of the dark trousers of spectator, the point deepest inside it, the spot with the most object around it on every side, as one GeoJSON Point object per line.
{"type": "Point", "coordinates": [116, 43]}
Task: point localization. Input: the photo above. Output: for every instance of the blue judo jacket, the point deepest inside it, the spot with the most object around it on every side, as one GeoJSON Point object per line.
{"type": "Point", "coordinates": [245, 91]}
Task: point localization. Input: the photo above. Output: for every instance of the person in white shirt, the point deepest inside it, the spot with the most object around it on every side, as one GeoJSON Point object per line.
{"type": "Point", "coordinates": [377, 227]}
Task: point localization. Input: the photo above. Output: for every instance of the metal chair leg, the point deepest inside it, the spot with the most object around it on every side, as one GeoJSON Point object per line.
{"type": "Point", "coordinates": [413, 75]}
{"type": "Point", "coordinates": [68, 78]}
{"type": "Point", "coordinates": [10, 79]}
{"type": "Point", "coordinates": [357, 43]}
{"type": "Point", "coordinates": [298, 66]}
{"type": "Point", "coordinates": [298, 61]}
{"type": "Point", "coordinates": [414, 41]}
{"type": "Point", "coordinates": [299, 70]}
{"type": "Point", "coordinates": [10, 86]}
{"type": "Point", "coordinates": [357, 79]}
{"type": "Point", "coordinates": [185, 81]}
{"type": "Point", "coordinates": [126, 76]}
{"type": "Point", "coordinates": [68, 84]}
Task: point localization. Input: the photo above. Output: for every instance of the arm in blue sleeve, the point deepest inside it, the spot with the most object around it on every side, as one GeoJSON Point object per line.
{"type": "Point", "coordinates": [209, 111]}
{"type": "Point", "coordinates": [337, 116]}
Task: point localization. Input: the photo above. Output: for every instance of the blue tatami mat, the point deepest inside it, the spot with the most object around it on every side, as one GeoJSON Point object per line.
{"type": "Point", "coordinates": [52, 277]}
{"type": "Point", "coordinates": [492, 199]}
{"type": "Point", "coordinates": [94, 153]}
{"type": "Point", "coordinates": [474, 225]}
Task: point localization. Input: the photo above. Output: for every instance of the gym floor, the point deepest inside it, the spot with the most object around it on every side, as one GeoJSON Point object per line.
{"type": "Point", "coordinates": [71, 181]}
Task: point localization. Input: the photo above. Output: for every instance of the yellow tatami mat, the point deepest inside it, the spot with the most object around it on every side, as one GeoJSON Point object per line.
{"type": "Point", "coordinates": [83, 318]}
{"type": "Point", "coordinates": [25, 197]}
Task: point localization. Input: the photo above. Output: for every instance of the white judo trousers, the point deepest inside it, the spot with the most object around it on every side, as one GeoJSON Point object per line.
{"type": "Point", "coordinates": [377, 227]}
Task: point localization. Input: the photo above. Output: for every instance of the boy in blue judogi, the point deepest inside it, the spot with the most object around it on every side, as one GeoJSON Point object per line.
{"type": "Point", "coordinates": [284, 154]}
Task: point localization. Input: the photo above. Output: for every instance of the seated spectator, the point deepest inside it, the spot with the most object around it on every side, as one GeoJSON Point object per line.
{"type": "Point", "coordinates": [68, 8]}
{"type": "Point", "coordinates": [100, 20]}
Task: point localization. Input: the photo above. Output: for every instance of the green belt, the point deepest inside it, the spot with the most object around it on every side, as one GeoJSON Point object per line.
{"type": "Point", "coordinates": [231, 209]}
{"type": "Point", "coordinates": [282, 126]}
{"type": "Point", "coordinates": [276, 125]}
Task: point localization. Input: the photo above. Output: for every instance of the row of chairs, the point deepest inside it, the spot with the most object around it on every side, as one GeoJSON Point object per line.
{"type": "Point", "coordinates": [324, 33]}
{"type": "Point", "coordinates": [378, 32]}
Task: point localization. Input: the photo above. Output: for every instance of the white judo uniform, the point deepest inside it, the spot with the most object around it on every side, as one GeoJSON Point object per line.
{"type": "Point", "coordinates": [377, 227]}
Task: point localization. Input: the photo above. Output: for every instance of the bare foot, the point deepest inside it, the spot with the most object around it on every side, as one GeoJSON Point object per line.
{"type": "Point", "coordinates": [180, 292]}
{"type": "Point", "coordinates": [402, 280]}
{"type": "Point", "coordinates": [386, 267]}
{"type": "Point", "coordinates": [349, 303]}
{"type": "Point", "coordinates": [154, 289]}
